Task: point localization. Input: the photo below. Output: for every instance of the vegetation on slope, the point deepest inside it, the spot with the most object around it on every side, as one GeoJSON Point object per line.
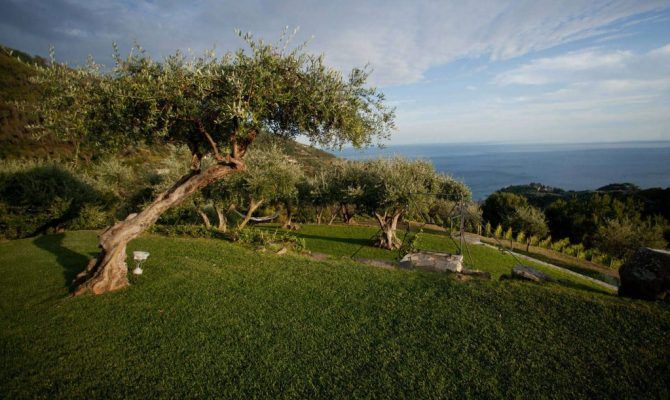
{"type": "Point", "coordinates": [605, 227]}
{"type": "Point", "coordinates": [16, 69]}
{"type": "Point", "coordinates": [355, 241]}
{"type": "Point", "coordinates": [654, 201]}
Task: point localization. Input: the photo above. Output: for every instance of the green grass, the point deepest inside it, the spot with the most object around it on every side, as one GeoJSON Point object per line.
{"type": "Point", "coordinates": [214, 319]}
{"type": "Point", "coordinates": [583, 267]}
{"type": "Point", "coordinates": [345, 241]}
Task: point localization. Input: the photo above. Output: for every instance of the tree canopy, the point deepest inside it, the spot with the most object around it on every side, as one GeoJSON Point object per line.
{"type": "Point", "coordinates": [500, 207]}
{"type": "Point", "coordinates": [214, 106]}
{"type": "Point", "coordinates": [398, 187]}
{"type": "Point", "coordinates": [270, 177]}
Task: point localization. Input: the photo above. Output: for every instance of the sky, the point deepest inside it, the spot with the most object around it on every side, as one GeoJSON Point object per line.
{"type": "Point", "coordinates": [537, 71]}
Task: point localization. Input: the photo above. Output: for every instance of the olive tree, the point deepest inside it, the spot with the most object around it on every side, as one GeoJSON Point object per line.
{"type": "Point", "coordinates": [499, 207]}
{"type": "Point", "coordinates": [215, 106]}
{"type": "Point", "coordinates": [223, 197]}
{"type": "Point", "coordinates": [270, 177]}
{"type": "Point", "coordinates": [346, 188]}
{"type": "Point", "coordinates": [316, 189]}
{"type": "Point", "coordinates": [622, 237]}
{"type": "Point", "coordinates": [531, 222]}
{"type": "Point", "coordinates": [396, 187]}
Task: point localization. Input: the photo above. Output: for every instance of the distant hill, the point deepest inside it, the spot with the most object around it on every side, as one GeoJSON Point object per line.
{"type": "Point", "coordinates": [656, 200]}
{"type": "Point", "coordinates": [17, 67]}
{"type": "Point", "coordinates": [310, 157]}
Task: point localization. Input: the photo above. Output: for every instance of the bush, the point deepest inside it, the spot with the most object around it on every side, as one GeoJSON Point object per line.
{"type": "Point", "coordinates": [622, 237]}
{"type": "Point", "coordinates": [598, 258]}
{"type": "Point", "coordinates": [498, 232]}
{"type": "Point", "coordinates": [534, 240]}
{"type": "Point", "coordinates": [304, 214]}
{"type": "Point", "coordinates": [409, 245]}
{"type": "Point", "coordinates": [90, 217]}
{"type": "Point", "coordinates": [47, 197]}
{"type": "Point", "coordinates": [615, 263]}
{"type": "Point", "coordinates": [574, 249]}
{"type": "Point", "coordinates": [521, 237]}
{"type": "Point", "coordinates": [545, 243]}
{"type": "Point", "coordinates": [184, 214]}
{"type": "Point", "coordinates": [194, 231]}
{"type": "Point", "coordinates": [560, 245]}
{"type": "Point", "coordinates": [274, 240]}
{"type": "Point", "coordinates": [509, 234]}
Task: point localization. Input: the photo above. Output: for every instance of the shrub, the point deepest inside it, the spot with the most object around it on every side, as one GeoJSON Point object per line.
{"type": "Point", "coordinates": [588, 254]}
{"type": "Point", "coordinates": [262, 238]}
{"type": "Point", "coordinates": [560, 245]}
{"type": "Point", "coordinates": [43, 197]}
{"type": "Point", "coordinates": [574, 249]}
{"type": "Point", "coordinates": [409, 245]}
{"type": "Point", "coordinates": [546, 243]}
{"type": "Point", "coordinates": [622, 237]}
{"type": "Point", "coordinates": [534, 240]}
{"type": "Point", "coordinates": [509, 234]}
{"type": "Point", "coordinates": [194, 231]}
{"type": "Point", "coordinates": [521, 237]}
{"type": "Point", "coordinates": [498, 232]}
{"type": "Point", "coordinates": [615, 263]}
{"type": "Point", "coordinates": [90, 217]}
{"type": "Point", "coordinates": [597, 257]}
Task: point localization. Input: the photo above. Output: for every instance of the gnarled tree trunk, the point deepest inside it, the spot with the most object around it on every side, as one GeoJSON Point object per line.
{"type": "Point", "coordinates": [221, 218]}
{"type": "Point", "coordinates": [205, 218]}
{"type": "Point", "coordinates": [288, 223]}
{"type": "Point", "coordinates": [319, 215]}
{"type": "Point", "coordinates": [388, 224]}
{"type": "Point", "coordinates": [333, 215]}
{"type": "Point", "coordinates": [347, 215]}
{"type": "Point", "coordinates": [109, 271]}
{"type": "Point", "coordinates": [253, 206]}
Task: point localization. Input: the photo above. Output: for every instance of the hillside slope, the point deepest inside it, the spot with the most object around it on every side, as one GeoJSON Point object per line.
{"type": "Point", "coordinates": [656, 201]}
{"type": "Point", "coordinates": [212, 319]}
{"type": "Point", "coordinates": [16, 68]}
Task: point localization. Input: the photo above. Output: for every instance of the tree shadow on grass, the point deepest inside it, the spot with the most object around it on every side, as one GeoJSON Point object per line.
{"type": "Point", "coordinates": [581, 286]}
{"type": "Point", "coordinates": [347, 240]}
{"type": "Point", "coordinates": [71, 261]}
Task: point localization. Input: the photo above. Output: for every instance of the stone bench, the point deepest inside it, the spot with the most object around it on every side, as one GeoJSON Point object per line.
{"type": "Point", "coordinates": [433, 261]}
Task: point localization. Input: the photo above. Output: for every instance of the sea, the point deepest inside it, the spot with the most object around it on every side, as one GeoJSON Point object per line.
{"type": "Point", "coordinates": [486, 168]}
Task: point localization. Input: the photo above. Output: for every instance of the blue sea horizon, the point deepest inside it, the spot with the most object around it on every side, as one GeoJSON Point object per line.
{"type": "Point", "coordinates": [487, 167]}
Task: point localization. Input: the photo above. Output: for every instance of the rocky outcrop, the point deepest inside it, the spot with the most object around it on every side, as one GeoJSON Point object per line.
{"type": "Point", "coordinates": [529, 274]}
{"type": "Point", "coordinates": [646, 275]}
{"type": "Point", "coordinates": [475, 273]}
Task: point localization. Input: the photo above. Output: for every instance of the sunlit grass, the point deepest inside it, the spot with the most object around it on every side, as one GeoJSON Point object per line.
{"type": "Point", "coordinates": [213, 319]}
{"type": "Point", "coordinates": [356, 242]}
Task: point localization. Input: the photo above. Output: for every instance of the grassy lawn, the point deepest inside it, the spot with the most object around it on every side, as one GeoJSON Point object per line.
{"type": "Point", "coordinates": [583, 267]}
{"type": "Point", "coordinates": [214, 319]}
{"type": "Point", "coordinates": [345, 241]}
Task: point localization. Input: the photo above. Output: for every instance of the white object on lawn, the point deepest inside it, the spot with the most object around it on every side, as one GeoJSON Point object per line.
{"type": "Point", "coordinates": [139, 257]}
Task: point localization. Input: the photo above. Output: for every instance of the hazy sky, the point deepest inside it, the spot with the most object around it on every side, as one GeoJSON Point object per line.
{"type": "Point", "coordinates": [457, 71]}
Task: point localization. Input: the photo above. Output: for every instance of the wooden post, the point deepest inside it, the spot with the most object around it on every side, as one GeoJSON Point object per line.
{"type": "Point", "coordinates": [462, 226]}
